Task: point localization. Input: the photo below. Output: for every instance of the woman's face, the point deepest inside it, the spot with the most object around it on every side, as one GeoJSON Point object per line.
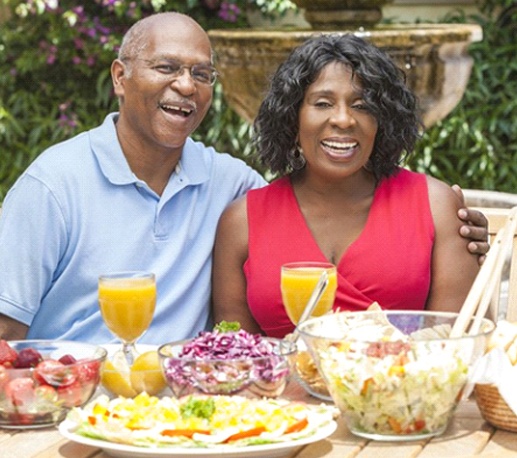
{"type": "Point", "coordinates": [336, 132]}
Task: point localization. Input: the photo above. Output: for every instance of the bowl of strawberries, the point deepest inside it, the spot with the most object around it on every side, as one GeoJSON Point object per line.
{"type": "Point", "coordinates": [41, 380]}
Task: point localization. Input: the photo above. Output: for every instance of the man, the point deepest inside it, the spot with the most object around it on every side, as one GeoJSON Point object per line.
{"type": "Point", "coordinates": [135, 193]}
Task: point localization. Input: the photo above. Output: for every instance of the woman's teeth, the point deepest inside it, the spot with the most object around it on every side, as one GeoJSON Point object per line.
{"type": "Point", "coordinates": [340, 147]}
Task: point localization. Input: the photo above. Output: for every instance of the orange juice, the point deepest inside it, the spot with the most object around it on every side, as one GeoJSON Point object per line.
{"type": "Point", "coordinates": [127, 305]}
{"type": "Point", "coordinates": [297, 284]}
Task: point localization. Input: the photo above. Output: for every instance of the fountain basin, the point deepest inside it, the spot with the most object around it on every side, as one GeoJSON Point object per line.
{"type": "Point", "coordinates": [329, 14]}
{"type": "Point", "coordinates": [434, 56]}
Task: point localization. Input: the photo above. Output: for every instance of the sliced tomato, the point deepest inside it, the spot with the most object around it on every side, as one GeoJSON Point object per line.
{"type": "Point", "coordinates": [298, 426]}
{"type": "Point", "coordinates": [395, 425]}
{"type": "Point", "coordinates": [183, 432]}
{"type": "Point", "coordinates": [136, 427]}
{"type": "Point", "coordinates": [419, 425]}
{"type": "Point", "coordinates": [366, 384]}
{"type": "Point", "coordinates": [245, 434]}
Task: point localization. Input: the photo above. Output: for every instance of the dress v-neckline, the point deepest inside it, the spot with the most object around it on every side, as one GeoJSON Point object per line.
{"type": "Point", "coordinates": [353, 245]}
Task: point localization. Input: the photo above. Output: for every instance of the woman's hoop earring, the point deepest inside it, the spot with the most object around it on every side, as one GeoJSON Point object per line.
{"type": "Point", "coordinates": [296, 158]}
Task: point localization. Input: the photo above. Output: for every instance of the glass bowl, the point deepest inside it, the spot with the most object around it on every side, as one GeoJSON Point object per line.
{"type": "Point", "coordinates": [262, 376]}
{"type": "Point", "coordinates": [61, 375]}
{"type": "Point", "coordinates": [306, 373]}
{"type": "Point", "coordinates": [389, 386]}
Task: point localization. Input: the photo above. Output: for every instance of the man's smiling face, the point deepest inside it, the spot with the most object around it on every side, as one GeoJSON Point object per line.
{"type": "Point", "coordinates": [163, 108]}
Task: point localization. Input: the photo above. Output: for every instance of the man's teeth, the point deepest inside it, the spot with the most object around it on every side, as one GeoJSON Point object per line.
{"type": "Point", "coordinates": [185, 111]}
{"type": "Point", "coordinates": [339, 145]}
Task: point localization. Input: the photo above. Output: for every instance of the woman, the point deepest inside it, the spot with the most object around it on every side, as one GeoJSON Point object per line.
{"type": "Point", "coordinates": [336, 123]}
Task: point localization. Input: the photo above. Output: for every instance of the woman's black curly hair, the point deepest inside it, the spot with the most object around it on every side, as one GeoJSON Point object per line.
{"type": "Point", "coordinates": [384, 92]}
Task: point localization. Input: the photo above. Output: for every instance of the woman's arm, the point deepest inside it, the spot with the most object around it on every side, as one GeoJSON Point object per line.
{"type": "Point", "coordinates": [453, 268]}
{"type": "Point", "coordinates": [228, 280]}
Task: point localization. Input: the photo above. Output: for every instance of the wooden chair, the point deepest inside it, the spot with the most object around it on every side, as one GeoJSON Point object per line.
{"type": "Point", "coordinates": [492, 199]}
{"type": "Point", "coordinates": [494, 290]}
{"type": "Point", "coordinates": [504, 302]}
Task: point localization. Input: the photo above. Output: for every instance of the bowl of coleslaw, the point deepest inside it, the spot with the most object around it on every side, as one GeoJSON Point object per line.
{"type": "Point", "coordinates": [394, 375]}
{"type": "Point", "coordinates": [224, 363]}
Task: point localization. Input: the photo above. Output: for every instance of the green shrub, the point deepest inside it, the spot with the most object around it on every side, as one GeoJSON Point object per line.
{"type": "Point", "coordinates": [54, 82]}
{"type": "Point", "coordinates": [476, 145]}
{"type": "Point", "coordinates": [55, 79]}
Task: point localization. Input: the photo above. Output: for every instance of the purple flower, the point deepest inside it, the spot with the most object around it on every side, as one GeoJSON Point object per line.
{"type": "Point", "coordinates": [229, 12]}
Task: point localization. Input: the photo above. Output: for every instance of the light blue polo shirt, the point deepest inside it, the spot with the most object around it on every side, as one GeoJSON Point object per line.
{"type": "Point", "coordinates": [78, 211]}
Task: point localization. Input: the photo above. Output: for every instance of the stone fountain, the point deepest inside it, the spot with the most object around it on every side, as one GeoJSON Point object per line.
{"type": "Point", "coordinates": [434, 56]}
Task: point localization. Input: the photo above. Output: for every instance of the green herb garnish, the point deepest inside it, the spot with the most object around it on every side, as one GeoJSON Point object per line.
{"type": "Point", "coordinates": [227, 326]}
{"type": "Point", "coordinates": [200, 408]}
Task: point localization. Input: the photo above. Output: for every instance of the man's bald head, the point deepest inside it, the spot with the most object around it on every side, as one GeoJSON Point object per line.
{"type": "Point", "coordinates": [134, 42]}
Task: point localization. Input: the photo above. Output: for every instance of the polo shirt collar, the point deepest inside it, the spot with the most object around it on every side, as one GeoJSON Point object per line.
{"type": "Point", "coordinates": [106, 148]}
{"type": "Point", "coordinates": [193, 166]}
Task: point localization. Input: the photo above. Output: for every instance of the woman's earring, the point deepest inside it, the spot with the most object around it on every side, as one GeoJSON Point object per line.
{"type": "Point", "coordinates": [296, 159]}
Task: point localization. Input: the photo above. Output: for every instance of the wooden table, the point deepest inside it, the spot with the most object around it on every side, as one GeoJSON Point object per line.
{"type": "Point", "coordinates": [467, 436]}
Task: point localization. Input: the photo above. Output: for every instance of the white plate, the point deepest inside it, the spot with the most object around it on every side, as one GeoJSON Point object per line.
{"type": "Point", "coordinates": [219, 451]}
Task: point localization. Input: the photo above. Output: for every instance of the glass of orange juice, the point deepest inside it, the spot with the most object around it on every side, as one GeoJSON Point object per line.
{"type": "Point", "coordinates": [297, 282]}
{"type": "Point", "coordinates": [127, 301]}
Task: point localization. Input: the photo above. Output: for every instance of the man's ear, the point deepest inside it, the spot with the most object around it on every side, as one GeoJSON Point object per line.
{"type": "Point", "coordinates": [118, 73]}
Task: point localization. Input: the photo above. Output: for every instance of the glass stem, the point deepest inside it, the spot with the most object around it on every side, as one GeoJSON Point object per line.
{"type": "Point", "coordinates": [129, 351]}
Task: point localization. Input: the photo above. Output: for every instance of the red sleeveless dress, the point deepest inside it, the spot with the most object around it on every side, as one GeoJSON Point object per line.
{"type": "Point", "coordinates": [390, 261]}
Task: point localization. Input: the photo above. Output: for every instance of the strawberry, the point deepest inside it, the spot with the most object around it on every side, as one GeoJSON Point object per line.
{"type": "Point", "coordinates": [46, 393]}
{"type": "Point", "coordinates": [4, 377]}
{"type": "Point", "coordinates": [71, 395]}
{"type": "Point", "coordinates": [27, 357]}
{"type": "Point", "coordinates": [88, 371]}
{"type": "Point", "coordinates": [7, 354]}
{"type": "Point", "coordinates": [20, 391]}
{"type": "Point", "coordinates": [54, 373]}
{"type": "Point", "coordinates": [67, 359]}
{"type": "Point", "coordinates": [21, 419]}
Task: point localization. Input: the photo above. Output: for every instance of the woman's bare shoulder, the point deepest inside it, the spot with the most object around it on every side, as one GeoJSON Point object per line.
{"type": "Point", "coordinates": [442, 196]}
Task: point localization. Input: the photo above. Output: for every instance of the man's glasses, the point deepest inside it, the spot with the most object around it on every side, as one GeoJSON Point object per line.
{"type": "Point", "coordinates": [170, 68]}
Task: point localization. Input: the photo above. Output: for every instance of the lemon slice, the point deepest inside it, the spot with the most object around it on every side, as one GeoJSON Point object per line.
{"type": "Point", "coordinates": [146, 374]}
{"type": "Point", "coordinates": [115, 378]}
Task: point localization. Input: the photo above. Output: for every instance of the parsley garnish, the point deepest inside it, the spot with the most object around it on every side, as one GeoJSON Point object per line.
{"type": "Point", "coordinates": [201, 408]}
{"type": "Point", "coordinates": [227, 326]}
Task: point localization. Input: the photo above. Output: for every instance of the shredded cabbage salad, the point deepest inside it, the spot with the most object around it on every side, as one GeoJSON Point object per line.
{"type": "Point", "coordinates": [225, 362]}
{"type": "Point", "coordinates": [227, 345]}
{"type": "Point", "coordinates": [397, 387]}
{"type": "Point", "coordinates": [197, 422]}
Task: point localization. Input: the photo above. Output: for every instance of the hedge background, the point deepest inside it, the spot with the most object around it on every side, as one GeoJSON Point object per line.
{"type": "Point", "coordinates": [54, 83]}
